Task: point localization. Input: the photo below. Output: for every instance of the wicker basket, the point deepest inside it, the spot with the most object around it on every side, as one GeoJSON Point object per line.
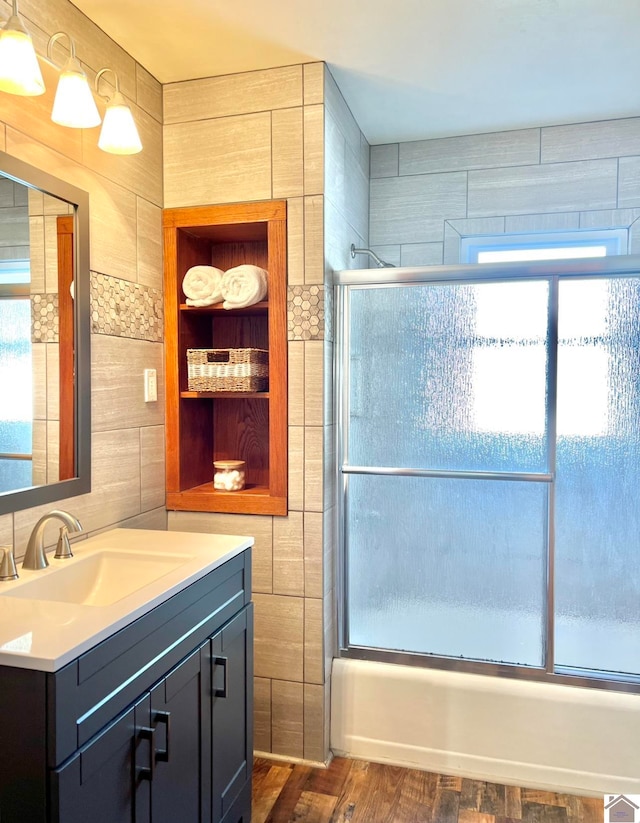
{"type": "Point", "coordinates": [241, 370]}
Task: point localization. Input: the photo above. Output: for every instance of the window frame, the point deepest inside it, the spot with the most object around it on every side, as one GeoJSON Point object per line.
{"type": "Point", "coordinates": [615, 242]}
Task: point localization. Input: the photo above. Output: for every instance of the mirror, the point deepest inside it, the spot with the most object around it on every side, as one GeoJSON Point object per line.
{"type": "Point", "coordinates": [44, 338]}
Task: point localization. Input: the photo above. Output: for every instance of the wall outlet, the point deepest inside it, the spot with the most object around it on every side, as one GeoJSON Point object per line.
{"type": "Point", "coordinates": [150, 385]}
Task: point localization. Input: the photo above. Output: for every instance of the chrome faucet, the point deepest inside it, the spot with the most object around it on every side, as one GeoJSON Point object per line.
{"type": "Point", "coordinates": [35, 556]}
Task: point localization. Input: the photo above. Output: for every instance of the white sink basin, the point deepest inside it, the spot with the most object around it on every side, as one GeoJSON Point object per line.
{"type": "Point", "coordinates": [99, 579]}
{"type": "Point", "coordinates": [51, 616]}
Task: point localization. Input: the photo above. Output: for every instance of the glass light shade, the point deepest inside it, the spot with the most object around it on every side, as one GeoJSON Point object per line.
{"type": "Point", "coordinates": [119, 134]}
{"type": "Point", "coordinates": [19, 69]}
{"type": "Point", "coordinates": [74, 105]}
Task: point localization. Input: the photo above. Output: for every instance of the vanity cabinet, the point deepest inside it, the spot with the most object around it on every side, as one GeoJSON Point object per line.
{"type": "Point", "coordinates": [204, 426]}
{"type": "Point", "coordinates": [154, 724]}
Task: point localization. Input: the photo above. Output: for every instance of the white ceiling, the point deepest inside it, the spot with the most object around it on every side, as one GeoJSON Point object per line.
{"type": "Point", "coordinates": [409, 69]}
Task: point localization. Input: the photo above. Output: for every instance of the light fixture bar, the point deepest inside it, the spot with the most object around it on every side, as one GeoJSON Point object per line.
{"type": "Point", "coordinates": [74, 105]}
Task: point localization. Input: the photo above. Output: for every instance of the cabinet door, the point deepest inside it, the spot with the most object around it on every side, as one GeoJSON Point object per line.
{"type": "Point", "coordinates": [179, 732]}
{"type": "Point", "coordinates": [232, 711]}
{"type": "Point", "coordinates": [97, 784]}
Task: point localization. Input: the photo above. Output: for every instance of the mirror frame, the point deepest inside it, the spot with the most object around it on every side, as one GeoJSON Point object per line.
{"type": "Point", "coordinates": [34, 178]}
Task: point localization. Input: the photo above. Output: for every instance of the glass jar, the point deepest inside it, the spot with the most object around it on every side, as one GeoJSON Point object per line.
{"type": "Point", "coordinates": [228, 475]}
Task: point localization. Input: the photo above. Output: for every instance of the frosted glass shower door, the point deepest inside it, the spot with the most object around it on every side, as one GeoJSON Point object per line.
{"type": "Point", "coordinates": [434, 568]}
{"type": "Point", "coordinates": [16, 405]}
{"type": "Point", "coordinates": [446, 460]}
{"type": "Point", "coordinates": [597, 570]}
{"type": "Point", "coordinates": [449, 377]}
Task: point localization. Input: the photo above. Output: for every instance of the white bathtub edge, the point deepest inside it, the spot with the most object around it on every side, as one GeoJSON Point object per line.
{"type": "Point", "coordinates": [449, 722]}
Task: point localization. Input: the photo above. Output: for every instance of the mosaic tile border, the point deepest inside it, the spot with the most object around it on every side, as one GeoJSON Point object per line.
{"type": "Point", "coordinates": [45, 318]}
{"type": "Point", "coordinates": [121, 308]}
{"type": "Point", "coordinates": [305, 313]}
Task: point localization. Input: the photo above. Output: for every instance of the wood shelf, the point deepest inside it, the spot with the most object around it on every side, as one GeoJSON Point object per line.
{"type": "Point", "coordinates": [256, 308]}
{"type": "Point", "coordinates": [225, 395]}
{"type": "Point", "coordinates": [249, 426]}
{"type": "Point", "coordinates": [204, 498]}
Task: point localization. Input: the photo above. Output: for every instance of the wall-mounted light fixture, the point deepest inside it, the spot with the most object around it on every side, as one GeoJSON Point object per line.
{"type": "Point", "coordinates": [19, 69]}
{"type": "Point", "coordinates": [119, 134]}
{"type": "Point", "coordinates": [73, 105]}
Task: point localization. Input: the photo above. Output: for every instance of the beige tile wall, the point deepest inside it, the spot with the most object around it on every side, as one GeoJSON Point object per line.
{"type": "Point", "coordinates": [346, 184]}
{"type": "Point", "coordinates": [264, 135]}
{"type": "Point", "coordinates": [427, 195]}
{"type": "Point", "coordinates": [14, 226]}
{"type": "Point", "coordinates": [255, 136]}
{"type": "Point", "coordinates": [125, 206]}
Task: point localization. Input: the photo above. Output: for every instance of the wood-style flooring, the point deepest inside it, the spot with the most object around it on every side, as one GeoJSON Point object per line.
{"type": "Point", "coordinates": [355, 791]}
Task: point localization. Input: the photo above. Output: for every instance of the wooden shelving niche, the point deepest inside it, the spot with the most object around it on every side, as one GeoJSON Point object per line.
{"type": "Point", "coordinates": [205, 426]}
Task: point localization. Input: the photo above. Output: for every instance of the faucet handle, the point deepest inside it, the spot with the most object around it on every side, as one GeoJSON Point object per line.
{"type": "Point", "coordinates": [63, 548]}
{"type": "Point", "coordinates": [8, 569]}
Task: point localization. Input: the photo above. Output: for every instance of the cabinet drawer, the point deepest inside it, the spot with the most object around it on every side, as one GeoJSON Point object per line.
{"type": "Point", "coordinates": [86, 694]}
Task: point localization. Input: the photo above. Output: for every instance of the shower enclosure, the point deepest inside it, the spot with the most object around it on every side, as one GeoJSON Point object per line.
{"type": "Point", "coordinates": [488, 467]}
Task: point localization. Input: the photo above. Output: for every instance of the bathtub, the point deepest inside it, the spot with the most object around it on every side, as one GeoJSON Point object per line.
{"type": "Point", "coordinates": [561, 738]}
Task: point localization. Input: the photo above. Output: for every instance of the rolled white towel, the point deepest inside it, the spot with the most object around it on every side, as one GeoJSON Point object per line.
{"type": "Point", "coordinates": [201, 285]}
{"type": "Point", "coordinates": [243, 286]}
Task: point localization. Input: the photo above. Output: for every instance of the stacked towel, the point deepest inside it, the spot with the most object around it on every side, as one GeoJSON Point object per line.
{"type": "Point", "coordinates": [202, 285]}
{"type": "Point", "coordinates": [243, 286]}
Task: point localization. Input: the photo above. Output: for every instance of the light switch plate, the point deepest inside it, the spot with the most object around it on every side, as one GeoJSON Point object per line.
{"type": "Point", "coordinates": [150, 385]}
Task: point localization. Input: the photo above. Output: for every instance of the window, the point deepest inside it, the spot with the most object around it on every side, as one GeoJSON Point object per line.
{"type": "Point", "coordinates": [14, 273]}
{"type": "Point", "coordinates": [513, 248]}
{"type": "Point", "coordinates": [490, 457]}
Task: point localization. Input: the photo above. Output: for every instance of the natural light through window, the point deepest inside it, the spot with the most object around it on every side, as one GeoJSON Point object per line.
{"type": "Point", "coordinates": [508, 371]}
{"type": "Point", "coordinates": [583, 407]}
{"type": "Point", "coordinates": [553, 253]}
{"type": "Point", "coordinates": [507, 394]}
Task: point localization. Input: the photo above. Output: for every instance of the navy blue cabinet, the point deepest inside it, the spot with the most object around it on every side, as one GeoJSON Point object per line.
{"type": "Point", "coordinates": [231, 715]}
{"type": "Point", "coordinates": [179, 729]}
{"type": "Point", "coordinates": [96, 784]}
{"type": "Point", "coordinates": [181, 749]}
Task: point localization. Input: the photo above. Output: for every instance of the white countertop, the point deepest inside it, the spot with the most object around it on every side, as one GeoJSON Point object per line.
{"type": "Point", "coordinates": [46, 634]}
